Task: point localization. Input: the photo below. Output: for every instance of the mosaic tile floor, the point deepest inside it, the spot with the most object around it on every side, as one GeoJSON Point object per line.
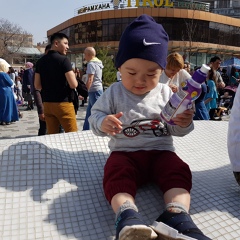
{"type": "Point", "coordinates": [51, 186]}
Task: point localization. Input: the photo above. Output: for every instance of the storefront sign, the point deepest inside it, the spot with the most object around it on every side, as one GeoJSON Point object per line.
{"type": "Point", "coordinates": [95, 7]}
{"type": "Point", "coordinates": [192, 5]}
{"type": "Point", "coordinates": [145, 3]}
{"type": "Point", "coordinates": [151, 3]}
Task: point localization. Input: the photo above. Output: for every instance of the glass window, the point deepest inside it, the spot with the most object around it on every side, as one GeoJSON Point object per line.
{"type": "Point", "coordinates": [178, 29]}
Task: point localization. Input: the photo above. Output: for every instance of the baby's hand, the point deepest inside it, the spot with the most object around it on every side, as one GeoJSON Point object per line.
{"type": "Point", "coordinates": [184, 119]}
{"type": "Point", "coordinates": [111, 124]}
{"type": "Point", "coordinates": [173, 87]}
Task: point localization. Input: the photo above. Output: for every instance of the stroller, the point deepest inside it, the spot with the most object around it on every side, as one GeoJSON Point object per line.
{"type": "Point", "coordinates": [226, 100]}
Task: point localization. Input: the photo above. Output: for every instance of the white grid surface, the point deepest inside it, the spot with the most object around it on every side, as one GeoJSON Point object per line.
{"type": "Point", "coordinates": [51, 186]}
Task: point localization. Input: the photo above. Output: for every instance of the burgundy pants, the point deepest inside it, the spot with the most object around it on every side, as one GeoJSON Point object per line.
{"type": "Point", "coordinates": [126, 171]}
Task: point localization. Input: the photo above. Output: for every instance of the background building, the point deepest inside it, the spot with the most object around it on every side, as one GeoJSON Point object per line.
{"type": "Point", "coordinates": [193, 30]}
{"type": "Point", "coordinates": [21, 50]}
{"type": "Point", "coordinates": [17, 48]}
{"type": "Point", "coordinates": [229, 8]}
{"type": "Point", "coordinates": [16, 44]}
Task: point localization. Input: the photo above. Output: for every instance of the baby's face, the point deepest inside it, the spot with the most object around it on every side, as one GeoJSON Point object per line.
{"type": "Point", "coordinates": [140, 76]}
{"type": "Point", "coordinates": [172, 71]}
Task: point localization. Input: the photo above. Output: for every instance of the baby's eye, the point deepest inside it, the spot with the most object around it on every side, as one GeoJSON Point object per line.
{"type": "Point", "coordinates": [151, 74]}
{"type": "Point", "coordinates": [132, 73]}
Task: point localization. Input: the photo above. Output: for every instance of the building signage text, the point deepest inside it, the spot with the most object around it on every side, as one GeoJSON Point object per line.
{"type": "Point", "coordinates": [145, 3]}
{"type": "Point", "coordinates": [151, 3]}
{"type": "Point", "coordinates": [192, 5]}
{"type": "Point", "coordinates": [94, 8]}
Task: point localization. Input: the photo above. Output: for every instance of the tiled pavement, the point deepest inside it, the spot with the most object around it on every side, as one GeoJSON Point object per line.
{"type": "Point", "coordinates": [51, 186]}
{"type": "Point", "coordinates": [28, 125]}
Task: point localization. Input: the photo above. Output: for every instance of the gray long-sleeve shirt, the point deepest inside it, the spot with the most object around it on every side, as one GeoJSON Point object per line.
{"type": "Point", "coordinates": [143, 128]}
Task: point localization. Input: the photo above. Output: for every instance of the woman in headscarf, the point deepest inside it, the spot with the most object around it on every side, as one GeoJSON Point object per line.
{"type": "Point", "coordinates": [8, 106]}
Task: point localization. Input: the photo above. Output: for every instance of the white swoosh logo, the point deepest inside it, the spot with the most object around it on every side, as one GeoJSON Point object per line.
{"type": "Point", "coordinates": [149, 43]}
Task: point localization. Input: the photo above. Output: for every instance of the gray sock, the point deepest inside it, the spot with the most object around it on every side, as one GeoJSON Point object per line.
{"type": "Point", "coordinates": [126, 205]}
{"type": "Point", "coordinates": [176, 207]}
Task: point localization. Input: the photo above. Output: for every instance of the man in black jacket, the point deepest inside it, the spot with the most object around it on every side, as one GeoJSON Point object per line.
{"type": "Point", "coordinates": [54, 77]}
{"type": "Point", "coordinates": [38, 101]}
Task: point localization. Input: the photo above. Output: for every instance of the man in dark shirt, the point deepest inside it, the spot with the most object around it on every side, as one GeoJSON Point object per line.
{"type": "Point", "coordinates": [215, 65]}
{"type": "Point", "coordinates": [38, 101]}
{"type": "Point", "coordinates": [54, 76]}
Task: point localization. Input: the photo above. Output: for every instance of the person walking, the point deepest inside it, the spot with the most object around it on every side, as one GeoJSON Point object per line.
{"type": "Point", "coordinates": [81, 75]}
{"type": "Point", "coordinates": [8, 106]}
{"type": "Point", "coordinates": [27, 85]}
{"type": "Point", "coordinates": [94, 81]}
{"type": "Point", "coordinates": [18, 86]}
{"type": "Point", "coordinates": [201, 111]}
{"type": "Point", "coordinates": [215, 63]}
{"type": "Point", "coordinates": [12, 74]}
{"type": "Point", "coordinates": [38, 101]}
{"type": "Point", "coordinates": [55, 78]}
{"type": "Point", "coordinates": [211, 96]}
{"type": "Point", "coordinates": [234, 77]}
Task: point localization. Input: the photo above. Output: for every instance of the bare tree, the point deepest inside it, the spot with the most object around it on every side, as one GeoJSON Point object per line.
{"type": "Point", "coordinates": [189, 35]}
{"type": "Point", "coordinates": [12, 37]}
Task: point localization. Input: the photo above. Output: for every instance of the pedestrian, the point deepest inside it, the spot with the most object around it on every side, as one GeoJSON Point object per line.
{"type": "Point", "coordinates": [141, 144]}
{"type": "Point", "coordinates": [211, 96]}
{"type": "Point", "coordinates": [94, 81]}
{"type": "Point", "coordinates": [55, 78]}
{"type": "Point", "coordinates": [225, 77]}
{"type": "Point", "coordinates": [187, 67]}
{"type": "Point", "coordinates": [201, 111]}
{"type": "Point", "coordinates": [12, 74]}
{"type": "Point", "coordinates": [84, 80]}
{"type": "Point", "coordinates": [174, 74]}
{"type": "Point", "coordinates": [234, 77]}
{"type": "Point", "coordinates": [18, 85]}
{"type": "Point", "coordinates": [215, 63]}
{"type": "Point", "coordinates": [8, 105]}
{"type": "Point", "coordinates": [38, 101]}
{"type": "Point", "coordinates": [27, 85]}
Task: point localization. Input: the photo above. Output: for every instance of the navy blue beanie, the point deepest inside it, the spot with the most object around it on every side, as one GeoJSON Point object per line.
{"type": "Point", "coordinates": [145, 39]}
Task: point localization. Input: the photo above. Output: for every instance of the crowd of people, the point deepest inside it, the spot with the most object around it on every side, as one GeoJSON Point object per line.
{"type": "Point", "coordinates": [218, 91]}
{"type": "Point", "coordinates": [221, 89]}
{"type": "Point", "coordinates": [214, 101]}
{"type": "Point", "coordinates": [21, 85]}
{"type": "Point", "coordinates": [61, 91]}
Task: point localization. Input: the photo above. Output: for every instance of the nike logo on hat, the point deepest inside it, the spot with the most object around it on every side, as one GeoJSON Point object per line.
{"type": "Point", "coordinates": [149, 43]}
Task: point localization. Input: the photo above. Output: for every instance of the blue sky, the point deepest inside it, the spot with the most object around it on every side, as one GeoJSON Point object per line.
{"type": "Point", "coordinates": [36, 17]}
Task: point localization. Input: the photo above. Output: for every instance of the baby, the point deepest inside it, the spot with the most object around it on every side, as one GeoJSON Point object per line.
{"type": "Point", "coordinates": [141, 144]}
